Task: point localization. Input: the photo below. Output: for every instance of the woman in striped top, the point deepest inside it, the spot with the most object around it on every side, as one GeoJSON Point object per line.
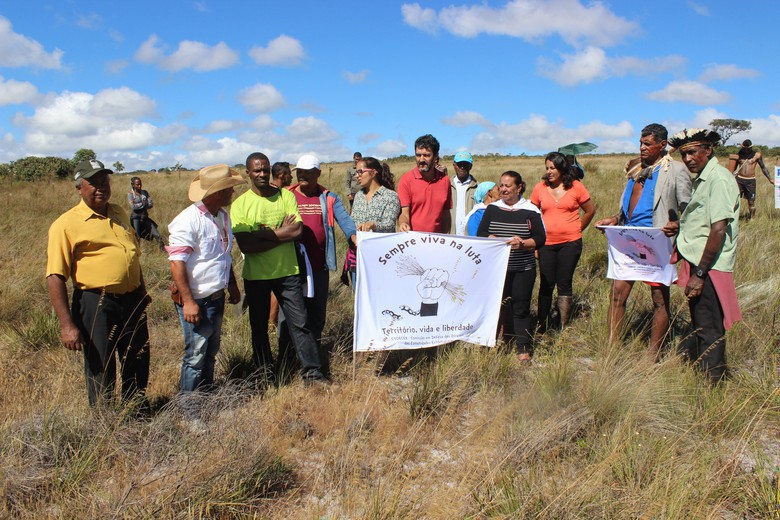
{"type": "Point", "coordinates": [516, 219]}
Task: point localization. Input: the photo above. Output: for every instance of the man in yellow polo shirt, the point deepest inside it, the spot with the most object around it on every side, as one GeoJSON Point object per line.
{"type": "Point", "coordinates": [94, 245]}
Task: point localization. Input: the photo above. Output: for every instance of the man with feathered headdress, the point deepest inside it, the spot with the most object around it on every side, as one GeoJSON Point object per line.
{"type": "Point", "coordinates": [707, 243]}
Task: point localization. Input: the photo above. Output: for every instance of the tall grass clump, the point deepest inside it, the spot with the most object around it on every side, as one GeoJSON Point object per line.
{"type": "Point", "coordinates": [41, 331]}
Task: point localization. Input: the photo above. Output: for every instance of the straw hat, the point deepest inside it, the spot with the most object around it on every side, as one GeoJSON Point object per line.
{"type": "Point", "coordinates": [212, 179]}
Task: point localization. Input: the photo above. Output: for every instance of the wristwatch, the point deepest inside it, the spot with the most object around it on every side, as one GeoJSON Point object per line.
{"type": "Point", "coordinates": [701, 273]}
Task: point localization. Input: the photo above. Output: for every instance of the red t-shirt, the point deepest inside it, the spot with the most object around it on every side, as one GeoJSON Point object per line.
{"type": "Point", "coordinates": [562, 218]}
{"type": "Point", "coordinates": [313, 237]}
{"type": "Point", "coordinates": [426, 200]}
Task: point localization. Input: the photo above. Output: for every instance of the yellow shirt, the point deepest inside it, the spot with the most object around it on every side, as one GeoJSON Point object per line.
{"type": "Point", "coordinates": [97, 252]}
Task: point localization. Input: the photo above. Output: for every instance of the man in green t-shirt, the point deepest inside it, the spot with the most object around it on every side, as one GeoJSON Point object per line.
{"type": "Point", "coordinates": [266, 224]}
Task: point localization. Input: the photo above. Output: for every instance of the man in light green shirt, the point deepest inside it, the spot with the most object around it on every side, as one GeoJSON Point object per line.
{"type": "Point", "coordinates": [707, 242]}
{"type": "Point", "coordinates": [266, 224]}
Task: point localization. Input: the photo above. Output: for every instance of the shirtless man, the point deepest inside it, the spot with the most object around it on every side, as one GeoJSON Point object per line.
{"type": "Point", "coordinates": [743, 165]}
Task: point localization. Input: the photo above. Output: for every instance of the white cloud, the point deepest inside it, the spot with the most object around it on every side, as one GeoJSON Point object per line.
{"type": "Point", "coordinates": [538, 135]}
{"type": "Point", "coordinates": [10, 149]}
{"type": "Point", "coordinates": [715, 72]}
{"type": "Point", "coordinates": [261, 97]}
{"type": "Point", "coordinates": [171, 133]}
{"type": "Point", "coordinates": [263, 122]}
{"type": "Point", "coordinates": [89, 21]}
{"type": "Point", "coordinates": [115, 35]}
{"type": "Point", "coordinates": [220, 126]}
{"type": "Point", "coordinates": [703, 117]}
{"type": "Point", "coordinates": [690, 92]}
{"type": "Point", "coordinates": [355, 77]}
{"type": "Point", "coordinates": [116, 66]}
{"type": "Point", "coordinates": [573, 21]}
{"type": "Point", "coordinates": [303, 135]}
{"type": "Point", "coordinates": [465, 118]}
{"type": "Point", "coordinates": [592, 64]}
{"type": "Point", "coordinates": [111, 119]}
{"type": "Point", "coordinates": [227, 150]}
{"type": "Point", "coordinates": [582, 67]}
{"type": "Point", "coordinates": [766, 130]}
{"type": "Point", "coordinates": [420, 18]}
{"type": "Point", "coordinates": [282, 50]}
{"type": "Point", "coordinates": [625, 65]}
{"type": "Point", "coordinates": [14, 92]}
{"type": "Point", "coordinates": [390, 148]}
{"type": "Point", "coordinates": [17, 50]}
{"type": "Point", "coordinates": [190, 55]}
{"type": "Point", "coordinates": [699, 9]}
{"type": "Point", "coordinates": [201, 6]}
{"type": "Point", "coordinates": [311, 130]}
{"type": "Point", "coordinates": [367, 138]}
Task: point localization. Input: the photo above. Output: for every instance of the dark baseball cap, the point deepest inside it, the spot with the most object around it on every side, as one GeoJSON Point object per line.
{"type": "Point", "coordinates": [86, 169]}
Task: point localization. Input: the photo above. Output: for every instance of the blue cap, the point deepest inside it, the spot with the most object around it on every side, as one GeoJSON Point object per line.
{"type": "Point", "coordinates": [463, 156]}
{"type": "Point", "coordinates": [482, 189]}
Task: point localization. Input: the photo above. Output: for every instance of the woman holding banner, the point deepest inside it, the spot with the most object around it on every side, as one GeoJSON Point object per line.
{"type": "Point", "coordinates": [560, 197]}
{"type": "Point", "coordinates": [376, 206]}
{"type": "Point", "coordinates": [520, 222]}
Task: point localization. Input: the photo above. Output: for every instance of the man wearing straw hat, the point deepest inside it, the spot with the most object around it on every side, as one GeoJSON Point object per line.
{"type": "Point", "coordinates": [707, 244]}
{"type": "Point", "coordinates": [94, 245]}
{"type": "Point", "coordinates": [200, 242]}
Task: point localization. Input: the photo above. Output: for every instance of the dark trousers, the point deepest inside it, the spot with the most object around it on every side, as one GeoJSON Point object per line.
{"type": "Point", "coordinates": [707, 318]}
{"type": "Point", "coordinates": [316, 310]}
{"type": "Point", "coordinates": [290, 296]}
{"type": "Point", "coordinates": [113, 326]}
{"type": "Point", "coordinates": [145, 227]}
{"type": "Point", "coordinates": [556, 267]}
{"type": "Point", "coordinates": [518, 287]}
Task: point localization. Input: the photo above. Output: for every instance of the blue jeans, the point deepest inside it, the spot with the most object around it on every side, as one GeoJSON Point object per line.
{"type": "Point", "coordinates": [290, 296]}
{"type": "Point", "coordinates": [201, 344]}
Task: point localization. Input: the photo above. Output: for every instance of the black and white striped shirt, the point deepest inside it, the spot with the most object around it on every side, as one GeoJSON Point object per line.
{"type": "Point", "coordinates": [525, 223]}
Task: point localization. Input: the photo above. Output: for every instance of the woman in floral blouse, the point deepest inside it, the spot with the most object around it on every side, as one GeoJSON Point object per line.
{"type": "Point", "coordinates": [376, 206]}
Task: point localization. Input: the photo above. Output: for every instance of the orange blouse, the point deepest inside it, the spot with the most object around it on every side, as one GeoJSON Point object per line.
{"type": "Point", "coordinates": [561, 218]}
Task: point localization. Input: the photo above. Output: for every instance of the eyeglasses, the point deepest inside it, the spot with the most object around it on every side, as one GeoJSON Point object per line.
{"type": "Point", "coordinates": [361, 172]}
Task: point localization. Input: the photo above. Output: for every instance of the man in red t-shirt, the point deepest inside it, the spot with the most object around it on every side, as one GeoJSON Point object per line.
{"type": "Point", "coordinates": [320, 210]}
{"type": "Point", "coordinates": [424, 191]}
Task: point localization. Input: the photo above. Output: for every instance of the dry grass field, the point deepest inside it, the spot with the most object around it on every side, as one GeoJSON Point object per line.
{"type": "Point", "coordinates": [591, 430]}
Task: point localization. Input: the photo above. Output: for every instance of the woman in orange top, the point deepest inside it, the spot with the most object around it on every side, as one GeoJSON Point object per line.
{"type": "Point", "coordinates": [561, 198]}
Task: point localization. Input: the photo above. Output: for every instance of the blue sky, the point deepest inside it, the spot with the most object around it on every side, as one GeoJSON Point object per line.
{"type": "Point", "coordinates": [202, 82]}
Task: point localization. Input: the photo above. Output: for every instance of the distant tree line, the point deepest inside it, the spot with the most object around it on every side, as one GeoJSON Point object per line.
{"type": "Point", "coordinates": [50, 168]}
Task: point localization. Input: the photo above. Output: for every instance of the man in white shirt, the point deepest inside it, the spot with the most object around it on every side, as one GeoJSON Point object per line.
{"type": "Point", "coordinates": [201, 265]}
{"type": "Point", "coordinates": [462, 187]}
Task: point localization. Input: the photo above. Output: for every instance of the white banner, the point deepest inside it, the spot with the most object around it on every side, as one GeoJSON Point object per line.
{"type": "Point", "coordinates": [418, 290]}
{"type": "Point", "coordinates": [640, 254]}
{"type": "Point", "coordinates": [777, 187]}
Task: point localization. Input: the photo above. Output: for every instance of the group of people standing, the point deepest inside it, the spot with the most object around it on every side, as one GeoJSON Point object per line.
{"type": "Point", "coordinates": [286, 233]}
{"type": "Point", "coordinates": [701, 215]}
